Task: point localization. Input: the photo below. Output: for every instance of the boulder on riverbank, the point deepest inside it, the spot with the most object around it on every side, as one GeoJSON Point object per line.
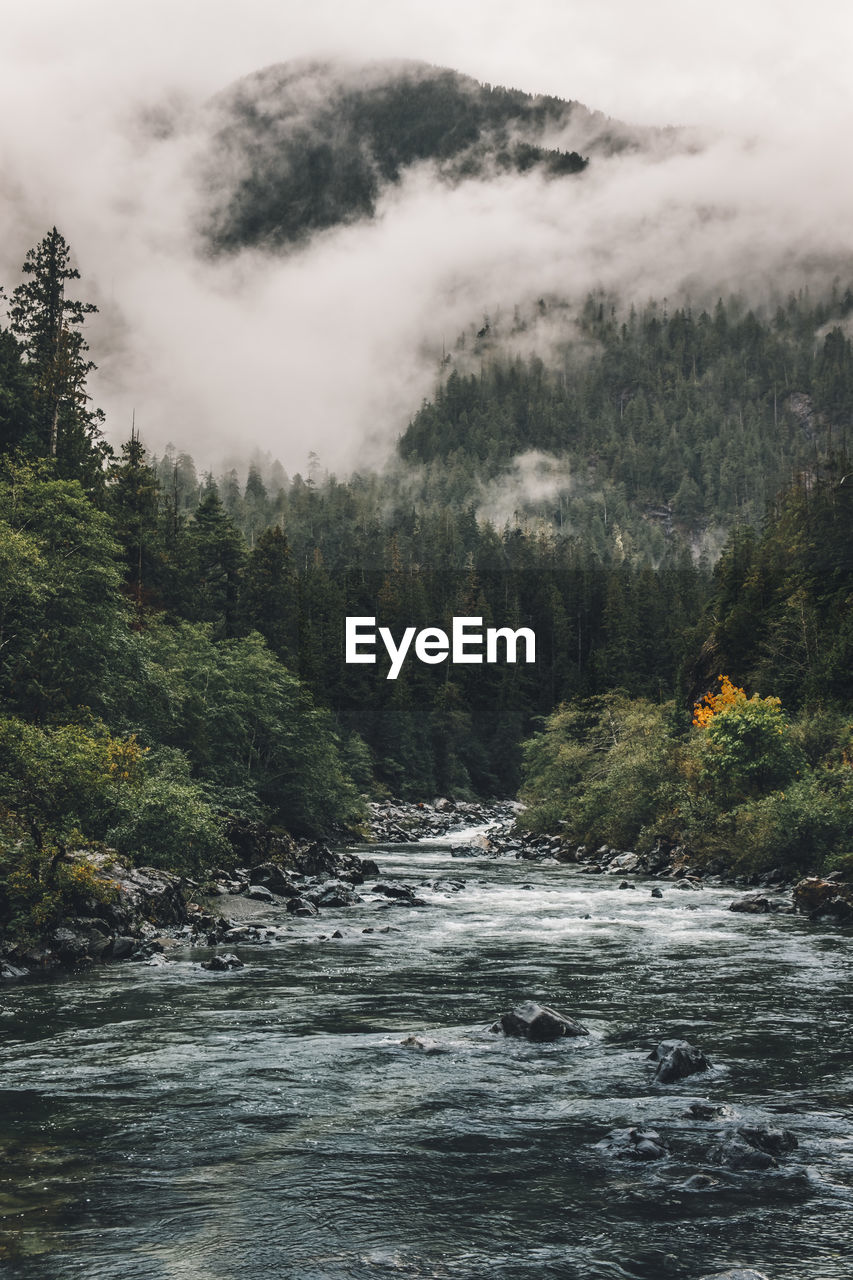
{"type": "Point", "coordinates": [135, 902]}
{"type": "Point", "coordinates": [824, 898]}
{"type": "Point", "coordinates": [538, 1023]}
{"type": "Point", "coordinates": [273, 876]}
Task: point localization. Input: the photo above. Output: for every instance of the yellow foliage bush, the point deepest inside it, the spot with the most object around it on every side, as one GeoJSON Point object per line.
{"type": "Point", "coordinates": [712, 704]}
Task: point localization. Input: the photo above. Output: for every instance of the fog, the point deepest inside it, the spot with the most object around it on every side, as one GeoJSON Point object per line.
{"type": "Point", "coordinates": [332, 347]}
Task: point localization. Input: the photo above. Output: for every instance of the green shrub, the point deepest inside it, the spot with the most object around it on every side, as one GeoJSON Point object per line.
{"type": "Point", "coordinates": [606, 769]}
{"type": "Point", "coordinates": [171, 825]}
{"type": "Point", "coordinates": [246, 724]}
{"type": "Point", "coordinates": [798, 829]}
{"type": "Point", "coordinates": [66, 779]}
{"type": "Point", "coordinates": [749, 750]}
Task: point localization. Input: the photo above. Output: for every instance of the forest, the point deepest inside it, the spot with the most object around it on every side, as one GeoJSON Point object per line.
{"type": "Point", "coordinates": [666, 503]}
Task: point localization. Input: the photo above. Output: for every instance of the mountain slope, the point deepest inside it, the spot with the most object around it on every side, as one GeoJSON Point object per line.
{"type": "Point", "coordinates": [302, 146]}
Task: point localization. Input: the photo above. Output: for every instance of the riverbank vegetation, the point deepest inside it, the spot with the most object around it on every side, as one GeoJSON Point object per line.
{"type": "Point", "coordinates": [171, 645]}
{"type": "Point", "coordinates": [749, 782]}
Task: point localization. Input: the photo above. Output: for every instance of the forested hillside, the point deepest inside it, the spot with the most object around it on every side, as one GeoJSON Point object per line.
{"type": "Point", "coordinates": [171, 645]}
{"type": "Point", "coordinates": [688, 416]}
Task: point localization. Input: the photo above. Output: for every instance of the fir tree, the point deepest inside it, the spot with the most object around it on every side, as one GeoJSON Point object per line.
{"type": "Point", "coordinates": [48, 324]}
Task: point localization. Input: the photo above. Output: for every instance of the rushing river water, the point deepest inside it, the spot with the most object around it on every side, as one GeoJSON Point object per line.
{"type": "Point", "coordinates": [177, 1124]}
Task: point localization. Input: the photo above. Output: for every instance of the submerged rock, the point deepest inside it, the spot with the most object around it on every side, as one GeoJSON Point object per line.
{"type": "Point", "coordinates": [739, 1273]}
{"type": "Point", "coordinates": [676, 1060]}
{"type": "Point", "coordinates": [697, 1182]}
{"type": "Point", "coordinates": [775, 1142]}
{"type": "Point", "coordinates": [702, 1111]}
{"type": "Point", "coordinates": [634, 1144]}
{"type": "Point", "coordinates": [538, 1023]}
{"type": "Point", "coordinates": [734, 1153]}
{"type": "Point", "coordinates": [422, 1044]}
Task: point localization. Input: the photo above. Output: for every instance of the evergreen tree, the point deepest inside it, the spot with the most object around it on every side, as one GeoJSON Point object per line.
{"type": "Point", "coordinates": [215, 554]}
{"type": "Point", "coordinates": [48, 324]}
{"type": "Point", "coordinates": [268, 600]}
{"type": "Point", "coordinates": [132, 500]}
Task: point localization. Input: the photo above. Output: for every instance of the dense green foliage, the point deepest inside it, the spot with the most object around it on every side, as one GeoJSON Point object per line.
{"type": "Point", "coordinates": [741, 794]}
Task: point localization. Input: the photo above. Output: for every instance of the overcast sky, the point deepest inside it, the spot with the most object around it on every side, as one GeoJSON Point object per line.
{"type": "Point", "coordinates": [658, 61]}
{"type": "Point", "coordinates": [327, 348]}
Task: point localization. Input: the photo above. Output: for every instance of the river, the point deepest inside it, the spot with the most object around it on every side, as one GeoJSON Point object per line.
{"type": "Point", "coordinates": [177, 1124]}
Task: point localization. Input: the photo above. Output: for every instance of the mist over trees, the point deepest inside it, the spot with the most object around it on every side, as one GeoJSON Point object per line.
{"type": "Point", "coordinates": [301, 147]}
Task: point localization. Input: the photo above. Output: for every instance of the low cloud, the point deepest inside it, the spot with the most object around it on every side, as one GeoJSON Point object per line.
{"type": "Point", "coordinates": [331, 348]}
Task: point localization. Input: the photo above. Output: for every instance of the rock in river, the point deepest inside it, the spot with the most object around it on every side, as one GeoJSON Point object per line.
{"type": "Point", "coordinates": [393, 889]}
{"type": "Point", "coordinates": [776, 1142]}
{"type": "Point", "coordinates": [335, 893]}
{"type": "Point", "coordinates": [634, 1144]}
{"type": "Point", "coordinates": [220, 963]}
{"type": "Point", "coordinates": [677, 1059]}
{"type": "Point", "coordinates": [753, 904]}
{"type": "Point", "coordinates": [538, 1023]}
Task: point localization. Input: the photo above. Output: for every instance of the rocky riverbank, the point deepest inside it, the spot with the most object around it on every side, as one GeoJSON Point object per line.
{"type": "Point", "coordinates": [139, 912]}
{"type": "Point", "coordinates": [144, 911]}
